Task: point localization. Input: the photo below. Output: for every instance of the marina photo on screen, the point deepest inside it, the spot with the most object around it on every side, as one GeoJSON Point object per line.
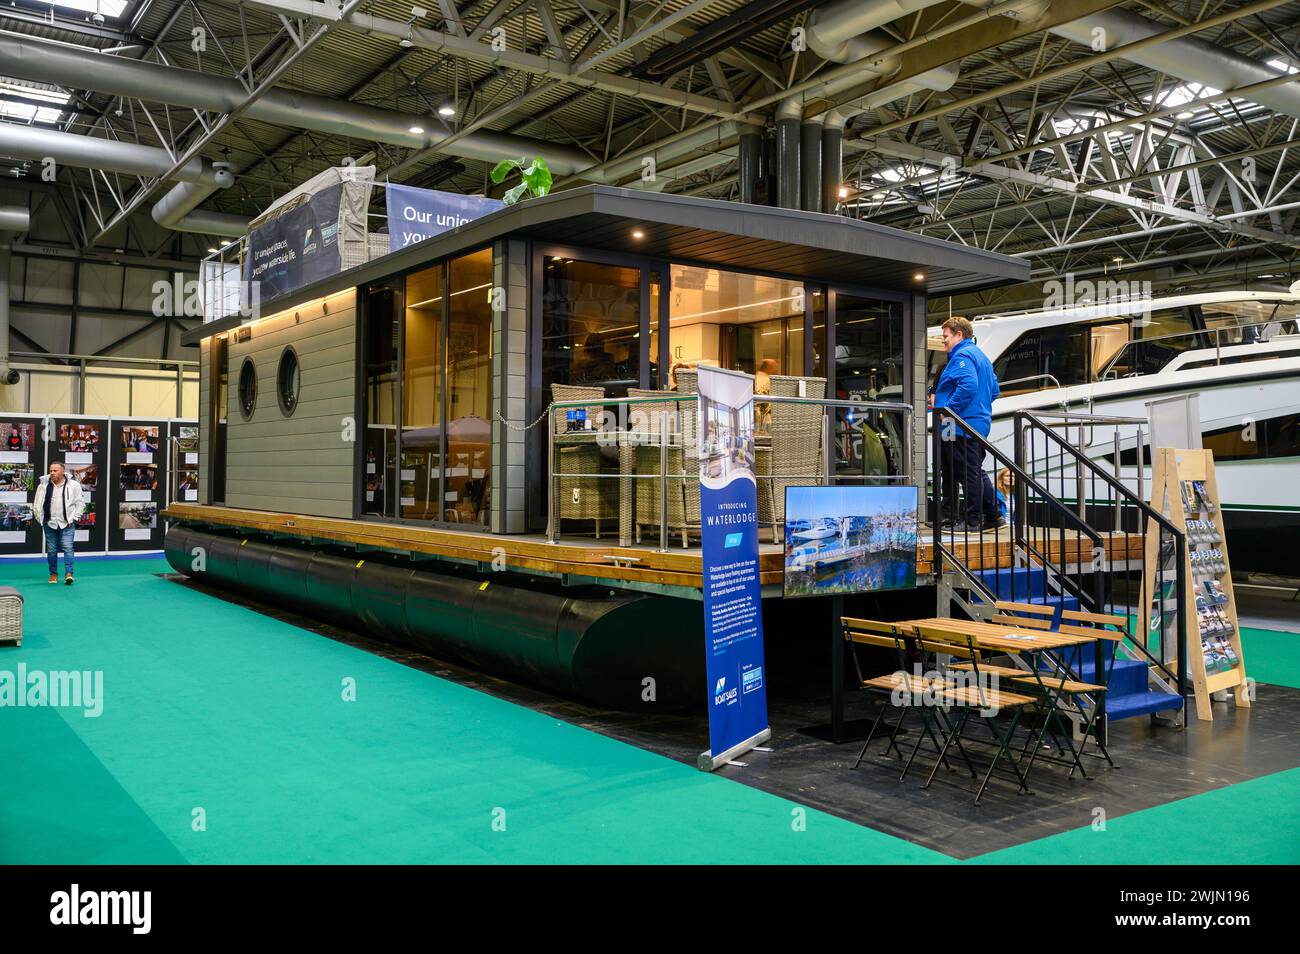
{"type": "Point", "coordinates": [842, 540]}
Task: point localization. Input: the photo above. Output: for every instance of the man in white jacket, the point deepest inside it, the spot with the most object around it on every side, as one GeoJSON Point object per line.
{"type": "Point", "coordinates": [57, 506]}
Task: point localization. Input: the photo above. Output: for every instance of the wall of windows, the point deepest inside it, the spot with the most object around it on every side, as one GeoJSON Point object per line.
{"type": "Point", "coordinates": [427, 394]}
{"type": "Point", "coordinates": [735, 320]}
{"type": "Point", "coordinates": [591, 323]}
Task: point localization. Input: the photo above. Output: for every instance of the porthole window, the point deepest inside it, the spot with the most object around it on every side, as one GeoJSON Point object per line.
{"type": "Point", "coordinates": [287, 381]}
{"type": "Point", "coordinates": [247, 389]}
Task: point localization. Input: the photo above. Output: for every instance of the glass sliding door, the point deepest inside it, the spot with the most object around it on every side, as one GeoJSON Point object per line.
{"type": "Point", "coordinates": [380, 375]}
{"type": "Point", "coordinates": [734, 320]}
{"type": "Point", "coordinates": [870, 358]}
{"type": "Point", "coordinates": [427, 380]}
{"type": "Point", "coordinates": [591, 325]}
{"type": "Point", "coordinates": [469, 388]}
{"type": "Point", "coordinates": [419, 478]}
{"type": "Point", "coordinates": [219, 400]}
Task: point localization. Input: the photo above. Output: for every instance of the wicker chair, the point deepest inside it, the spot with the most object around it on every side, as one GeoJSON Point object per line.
{"type": "Point", "coordinates": [688, 382]}
{"type": "Point", "coordinates": [581, 497]}
{"type": "Point", "coordinates": [646, 427]}
{"type": "Point", "coordinates": [798, 458]}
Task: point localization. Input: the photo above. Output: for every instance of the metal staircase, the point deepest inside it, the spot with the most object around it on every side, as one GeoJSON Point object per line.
{"type": "Point", "coordinates": [1079, 537]}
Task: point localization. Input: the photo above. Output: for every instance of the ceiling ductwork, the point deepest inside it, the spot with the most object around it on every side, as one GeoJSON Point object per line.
{"type": "Point", "coordinates": [835, 31]}
{"type": "Point", "coordinates": [1193, 60]}
{"type": "Point", "coordinates": [90, 152]}
{"type": "Point", "coordinates": [1190, 59]}
{"type": "Point", "coordinates": [46, 61]}
{"type": "Point", "coordinates": [199, 178]}
{"type": "Point", "coordinates": [843, 32]}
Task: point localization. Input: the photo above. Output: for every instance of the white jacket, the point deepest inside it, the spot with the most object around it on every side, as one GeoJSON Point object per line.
{"type": "Point", "coordinates": [73, 500]}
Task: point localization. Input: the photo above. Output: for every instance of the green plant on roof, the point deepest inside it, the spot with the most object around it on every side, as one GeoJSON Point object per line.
{"type": "Point", "coordinates": [536, 178]}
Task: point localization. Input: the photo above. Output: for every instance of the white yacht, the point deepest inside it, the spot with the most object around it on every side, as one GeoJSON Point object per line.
{"type": "Point", "coordinates": [1238, 350]}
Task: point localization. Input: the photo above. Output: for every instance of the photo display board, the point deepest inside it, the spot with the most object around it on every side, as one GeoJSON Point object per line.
{"type": "Point", "coordinates": [81, 443]}
{"type": "Point", "coordinates": [185, 482]}
{"type": "Point", "coordinates": [137, 481]}
{"type": "Point", "coordinates": [22, 462]}
{"type": "Point", "coordinates": [846, 539]}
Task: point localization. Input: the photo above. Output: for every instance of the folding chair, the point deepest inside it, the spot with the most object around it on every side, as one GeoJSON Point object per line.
{"type": "Point", "coordinates": [1084, 623]}
{"type": "Point", "coordinates": [987, 703]}
{"type": "Point", "coordinates": [868, 632]}
{"type": "Point", "coordinates": [1024, 615]}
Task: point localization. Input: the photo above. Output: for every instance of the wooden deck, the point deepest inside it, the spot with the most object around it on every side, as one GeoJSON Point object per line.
{"type": "Point", "coordinates": [578, 559]}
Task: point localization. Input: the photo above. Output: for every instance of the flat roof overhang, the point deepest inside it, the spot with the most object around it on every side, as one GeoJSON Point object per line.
{"type": "Point", "coordinates": [730, 235]}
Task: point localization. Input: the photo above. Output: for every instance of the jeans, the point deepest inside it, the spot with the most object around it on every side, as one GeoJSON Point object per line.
{"type": "Point", "coordinates": [56, 540]}
{"type": "Point", "coordinates": [981, 499]}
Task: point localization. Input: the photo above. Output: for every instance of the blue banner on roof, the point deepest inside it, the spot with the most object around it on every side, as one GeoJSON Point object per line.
{"type": "Point", "coordinates": [733, 611]}
{"type": "Point", "coordinates": [418, 214]}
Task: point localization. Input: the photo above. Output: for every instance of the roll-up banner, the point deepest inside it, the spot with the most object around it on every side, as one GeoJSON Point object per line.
{"type": "Point", "coordinates": [733, 612]}
{"type": "Point", "coordinates": [296, 244]}
{"type": "Point", "coordinates": [417, 214]}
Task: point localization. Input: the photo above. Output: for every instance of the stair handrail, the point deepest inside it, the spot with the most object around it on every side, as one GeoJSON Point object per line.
{"type": "Point", "coordinates": [1147, 511]}
{"type": "Point", "coordinates": [1023, 480]}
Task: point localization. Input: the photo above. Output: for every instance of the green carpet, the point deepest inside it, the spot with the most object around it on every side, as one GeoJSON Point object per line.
{"type": "Point", "coordinates": [1252, 823]}
{"type": "Point", "coordinates": [1272, 657]}
{"type": "Point", "coordinates": [211, 706]}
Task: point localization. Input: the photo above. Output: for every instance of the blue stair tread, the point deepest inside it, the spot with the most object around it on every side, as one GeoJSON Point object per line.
{"type": "Point", "coordinates": [1128, 705]}
{"type": "Point", "coordinates": [1127, 676]}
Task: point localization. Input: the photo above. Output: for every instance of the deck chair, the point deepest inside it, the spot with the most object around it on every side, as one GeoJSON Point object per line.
{"type": "Point", "coordinates": [987, 703]}
{"type": "Point", "coordinates": [869, 632]}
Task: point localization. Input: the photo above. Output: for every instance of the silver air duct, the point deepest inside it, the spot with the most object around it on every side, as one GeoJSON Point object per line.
{"type": "Point", "coordinates": [810, 165]}
{"type": "Point", "coordinates": [46, 61]}
{"type": "Point", "coordinates": [199, 178]}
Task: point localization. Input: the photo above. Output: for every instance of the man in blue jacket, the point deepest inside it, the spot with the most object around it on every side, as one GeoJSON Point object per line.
{"type": "Point", "coordinates": [968, 387]}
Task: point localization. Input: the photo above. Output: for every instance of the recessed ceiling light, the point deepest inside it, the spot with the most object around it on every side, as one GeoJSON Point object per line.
{"type": "Point", "coordinates": [638, 234]}
{"type": "Point", "coordinates": [416, 129]}
{"type": "Point", "coordinates": [446, 109]}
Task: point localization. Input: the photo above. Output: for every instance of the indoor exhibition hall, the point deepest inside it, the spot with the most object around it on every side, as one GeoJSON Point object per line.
{"type": "Point", "coordinates": [679, 432]}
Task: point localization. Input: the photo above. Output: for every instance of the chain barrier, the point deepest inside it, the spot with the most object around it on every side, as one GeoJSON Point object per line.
{"type": "Point", "coordinates": [526, 427]}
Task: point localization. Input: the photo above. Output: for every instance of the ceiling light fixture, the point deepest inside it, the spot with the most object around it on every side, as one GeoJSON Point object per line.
{"type": "Point", "coordinates": [417, 130]}
{"type": "Point", "coordinates": [919, 276]}
{"type": "Point", "coordinates": [446, 109]}
{"type": "Point", "coordinates": [638, 234]}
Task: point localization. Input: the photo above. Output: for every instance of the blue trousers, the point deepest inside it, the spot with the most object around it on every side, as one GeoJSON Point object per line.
{"type": "Point", "coordinates": [981, 499]}
{"type": "Point", "coordinates": [56, 540]}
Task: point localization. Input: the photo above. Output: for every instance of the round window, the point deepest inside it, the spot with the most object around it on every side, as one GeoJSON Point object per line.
{"type": "Point", "coordinates": [287, 379]}
{"type": "Point", "coordinates": [247, 389]}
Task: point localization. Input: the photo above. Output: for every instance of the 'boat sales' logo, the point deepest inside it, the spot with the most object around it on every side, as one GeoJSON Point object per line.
{"type": "Point", "coordinates": [74, 907]}
{"type": "Point", "coordinates": [721, 694]}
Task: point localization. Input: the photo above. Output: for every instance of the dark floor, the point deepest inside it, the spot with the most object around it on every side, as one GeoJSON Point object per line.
{"type": "Point", "coordinates": [1154, 763]}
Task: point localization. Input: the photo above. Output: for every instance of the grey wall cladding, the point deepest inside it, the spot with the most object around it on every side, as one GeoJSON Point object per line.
{"type": "Point", "coordinates": [298, 464]}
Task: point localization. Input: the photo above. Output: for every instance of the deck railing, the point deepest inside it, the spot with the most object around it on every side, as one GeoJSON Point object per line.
{"type": "Point", "coordinates": [654, 442]}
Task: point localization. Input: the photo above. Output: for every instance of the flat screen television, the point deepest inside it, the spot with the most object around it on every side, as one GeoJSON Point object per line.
{"type": "Point", "coordinates": [849, 539]}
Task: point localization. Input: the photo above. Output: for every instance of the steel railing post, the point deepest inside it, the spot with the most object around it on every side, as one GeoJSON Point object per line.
{"type": "Point", "coordinates": [552, 518]}
{"type": "Point", "coordinates": [663, 478]}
